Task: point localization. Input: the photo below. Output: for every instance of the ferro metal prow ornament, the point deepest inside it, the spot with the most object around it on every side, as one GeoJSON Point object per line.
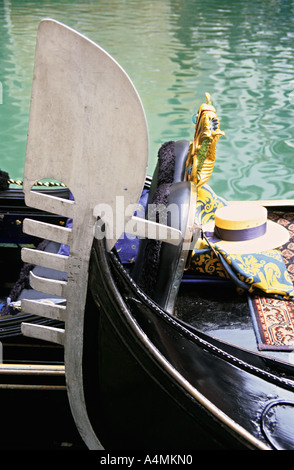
{"type": "Point", "coordinates": [202, 149]}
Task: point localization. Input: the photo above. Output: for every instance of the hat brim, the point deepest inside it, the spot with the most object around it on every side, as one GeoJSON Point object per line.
{"type": "Point", "coordinates": [276, 236]}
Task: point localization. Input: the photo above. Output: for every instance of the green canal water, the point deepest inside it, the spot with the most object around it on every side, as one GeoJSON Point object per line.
{"type": "Point", "coordinates": [241, 52]}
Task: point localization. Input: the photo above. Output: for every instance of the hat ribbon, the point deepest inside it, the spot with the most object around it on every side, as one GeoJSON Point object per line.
{"type": "Point", "coordinates": [241, 234]}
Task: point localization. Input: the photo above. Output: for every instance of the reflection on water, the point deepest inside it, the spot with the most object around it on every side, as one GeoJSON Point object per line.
{"type": "Point", "coordinates": [174, 51]}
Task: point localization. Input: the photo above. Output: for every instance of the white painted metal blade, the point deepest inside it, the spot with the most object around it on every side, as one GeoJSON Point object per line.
{"type": "Point", "coordinates": [45, 333]}
{"type": "Point", "coordinates": [87, 126]}
{"type": "Point", "coordinates": [48, 231]}
{"type": "Point", "coordinates": [44, 309]}
{"type": "Point", "coordinates": [48, 286]}
{"type": "Point", "coordinates": [87, 129]}
{"type": "Point", "coordinates": [45, 259]}
{"type": "Point", "coordinates": [152, 230]}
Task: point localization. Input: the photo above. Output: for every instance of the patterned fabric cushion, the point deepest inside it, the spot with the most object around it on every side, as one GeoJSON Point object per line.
{"type": "Point", "coordinates": [263, 272]}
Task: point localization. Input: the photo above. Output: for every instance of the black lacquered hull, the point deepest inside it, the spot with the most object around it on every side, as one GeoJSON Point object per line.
{"type": "Point", "coordinates": [153, 383]}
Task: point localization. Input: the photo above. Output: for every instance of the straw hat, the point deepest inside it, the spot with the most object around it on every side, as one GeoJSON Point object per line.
{"type": "Point", "coordinates": [243, 228]}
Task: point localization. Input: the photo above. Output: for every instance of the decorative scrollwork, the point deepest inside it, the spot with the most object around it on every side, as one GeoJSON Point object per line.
{"type": "Point", "coordinates": [202, 150]}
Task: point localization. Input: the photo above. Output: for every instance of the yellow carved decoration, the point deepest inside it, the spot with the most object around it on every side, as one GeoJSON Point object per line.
{"type": "Point", "coordinates": [202, 150]}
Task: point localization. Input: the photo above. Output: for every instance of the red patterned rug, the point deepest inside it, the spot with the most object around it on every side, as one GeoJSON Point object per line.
{"type": "Point", "coordinates": [273, 319]}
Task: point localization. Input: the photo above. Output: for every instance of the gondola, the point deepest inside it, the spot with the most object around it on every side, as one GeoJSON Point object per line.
{"type": "Point", "coordinates": [31, 371]}
{"type": "Point", "coordinates": [21, 356]}
{"type": "Point", "coordinates": [158, 355]}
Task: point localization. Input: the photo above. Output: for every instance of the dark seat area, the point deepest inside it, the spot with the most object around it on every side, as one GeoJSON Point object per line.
{"type": "Point", "coordinates": [159, 266]}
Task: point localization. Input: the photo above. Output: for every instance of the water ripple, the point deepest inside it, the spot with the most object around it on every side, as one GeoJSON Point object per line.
{"type": "Point", "coordinates": [175, 51]}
